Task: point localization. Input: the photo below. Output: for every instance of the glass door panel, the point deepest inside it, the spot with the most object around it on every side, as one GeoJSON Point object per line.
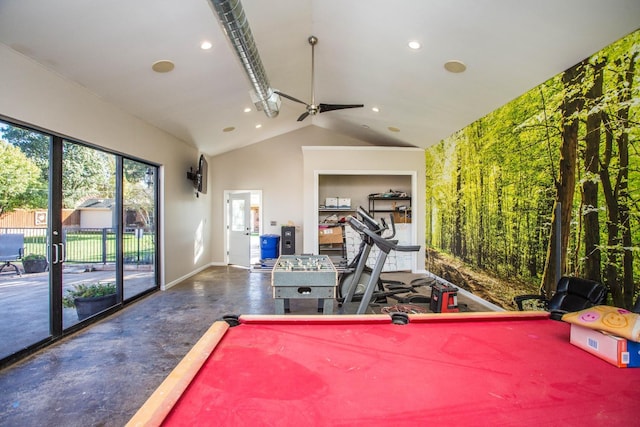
{"type": "Point", "coordinates": [24, 276]}
{"type": "Point", "coordinates": [71, 217]}
{"type": "Point", "coordinates": [88, 244]}
{"type": "Point", "coordinates": [139, 223]}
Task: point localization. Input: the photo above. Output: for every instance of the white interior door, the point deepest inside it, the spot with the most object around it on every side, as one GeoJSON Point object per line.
{"type": "Point", "coordinates": [239, 227]}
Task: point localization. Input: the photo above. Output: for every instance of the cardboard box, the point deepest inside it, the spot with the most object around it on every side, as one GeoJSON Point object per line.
{"type": "Point", "coordinates": [331, 202]}
{"type": "Point", "coordinates": [329, 235]}
{"type": "Point", "coordinates": [402, 217]}
{"type": "Point", "coordinates": [344, 203]}
{"type": "Point", "coordinates": [615, 350]}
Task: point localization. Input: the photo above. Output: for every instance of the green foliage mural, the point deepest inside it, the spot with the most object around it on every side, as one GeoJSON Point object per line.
{"type": "Point", "coordinates": [492, 187]}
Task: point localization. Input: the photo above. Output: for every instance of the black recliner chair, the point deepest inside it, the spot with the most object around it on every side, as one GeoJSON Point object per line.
{"type": "Point", "coordinates": [572, 294]}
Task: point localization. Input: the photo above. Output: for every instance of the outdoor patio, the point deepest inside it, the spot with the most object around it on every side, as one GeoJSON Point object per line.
{"type": "Point", "coordinates": [25, 299]}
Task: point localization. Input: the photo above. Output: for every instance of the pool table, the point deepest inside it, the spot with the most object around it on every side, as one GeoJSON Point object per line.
{"type": "Point", "coordinates": [495, 369]}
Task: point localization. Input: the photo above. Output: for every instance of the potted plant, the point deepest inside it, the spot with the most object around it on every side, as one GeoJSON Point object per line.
{"type": "Point", "coordinates": [90, 298]}
{"type": "Point", "coordinates": [34, 263]}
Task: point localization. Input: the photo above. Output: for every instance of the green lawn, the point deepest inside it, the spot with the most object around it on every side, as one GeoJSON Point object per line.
{"type": "Point", "coordinates": [92, 247]}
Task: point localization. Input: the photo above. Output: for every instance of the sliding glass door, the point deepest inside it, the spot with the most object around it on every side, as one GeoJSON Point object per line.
{"type": "Point", "coordinates": [87, 249]}
{"type": "Point", "coordinates": [139, 221]}
{"type": "Point", "coordinates": [78, 235]}
{"type": "Point", "coordinates": [24, 218]}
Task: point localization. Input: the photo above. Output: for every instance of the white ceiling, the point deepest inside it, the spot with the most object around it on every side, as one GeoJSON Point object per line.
{"type": "Point", "coordinates": [509, 46]}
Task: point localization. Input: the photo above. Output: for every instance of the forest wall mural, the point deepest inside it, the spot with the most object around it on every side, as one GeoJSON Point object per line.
{"type": "Point", "coordinates": [493, 187]}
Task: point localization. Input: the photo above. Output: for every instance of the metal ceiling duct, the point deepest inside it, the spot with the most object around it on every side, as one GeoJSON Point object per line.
{"type": "Point", "coordinates": [234, 22]}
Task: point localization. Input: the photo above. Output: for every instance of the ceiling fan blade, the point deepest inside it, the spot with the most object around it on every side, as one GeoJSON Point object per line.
{"type": "Point", "coordinates": [290, 97]}
{"type": "Point", "coordinates": [303, 116]}
{"type": "Point", "coordinates": [313, 109]}
{"type": "Point", "coordinates": [331, 107]}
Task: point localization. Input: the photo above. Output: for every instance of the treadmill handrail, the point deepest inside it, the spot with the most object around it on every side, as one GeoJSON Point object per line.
{"type": "Point", "coordinates": [372, 224]}
{"type": "Point", "coordinates": [367, 219]}
{"type": "Point", "coordinates": [387, 245]}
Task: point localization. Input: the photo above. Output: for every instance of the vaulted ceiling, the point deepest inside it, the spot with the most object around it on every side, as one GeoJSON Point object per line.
{"type": "Point", "coordinates": [362, 56]}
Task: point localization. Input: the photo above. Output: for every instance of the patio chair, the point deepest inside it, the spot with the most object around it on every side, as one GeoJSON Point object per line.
{"type": "Point", "coordinates": [11, 250]}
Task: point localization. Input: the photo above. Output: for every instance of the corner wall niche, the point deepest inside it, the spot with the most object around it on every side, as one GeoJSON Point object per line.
{"type": "Point", "coordinates": [352, 174]}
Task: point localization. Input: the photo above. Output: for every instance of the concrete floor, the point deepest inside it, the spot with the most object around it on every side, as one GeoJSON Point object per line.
{"type": "Point", "coordinates": [103, 374]}
{"type": "Point", "coordinates": [27, 320]}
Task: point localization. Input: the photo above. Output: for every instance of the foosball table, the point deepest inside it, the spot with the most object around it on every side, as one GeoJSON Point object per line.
{"type": "Point", "coordinates": [304, 276]}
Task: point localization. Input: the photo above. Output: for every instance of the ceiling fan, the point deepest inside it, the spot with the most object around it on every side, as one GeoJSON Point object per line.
{"type": "Point", "coordinates": [313, 109]}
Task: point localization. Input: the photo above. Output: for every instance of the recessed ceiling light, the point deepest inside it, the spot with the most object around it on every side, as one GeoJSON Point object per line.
{"type": "Point", "coordinates": [247, 110]}
{"type": "Point", "coordinates": [365, 126]}
{"type": "Point", "coordinates": [455, 66]}
{"type": "Point", "coordinates": [413, 44]}
{"type": "Point", "coordinates": [205, 45]}
{"type": "Point", "coordinates": [375, 109]}
{"type": "Point", "coordinates": [393, 129]}
{"type": "Point", "coordinates": [258, 126]}
{"type": "Point", "coordinates": [163, 66]}
{"type": "Point", "coordinates": [228, 129]}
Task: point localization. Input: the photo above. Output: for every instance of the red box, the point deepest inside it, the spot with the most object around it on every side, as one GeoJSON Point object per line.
{"type": "Point", "coordinates": [615, 350]}
{"type": "Point", "coordinates": [444, 299]}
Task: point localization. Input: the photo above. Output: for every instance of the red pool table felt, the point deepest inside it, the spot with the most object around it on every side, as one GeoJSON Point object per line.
{"type": "Point", "coordinates": [445, 369]}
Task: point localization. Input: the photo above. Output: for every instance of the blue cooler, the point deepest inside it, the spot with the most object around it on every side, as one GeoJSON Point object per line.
{"type": "Point", "coordinates": [269, 246]}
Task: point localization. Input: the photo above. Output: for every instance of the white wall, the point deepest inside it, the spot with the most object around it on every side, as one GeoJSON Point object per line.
{"type": "Point", "coordinates": [285, 175]}
{"type": "Point", "coordinates": [32, 94]}
{"type": "Point", "coordinates": [273, 166]}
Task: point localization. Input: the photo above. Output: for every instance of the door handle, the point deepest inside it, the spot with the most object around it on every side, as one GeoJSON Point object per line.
{"type": "Point", "coordinates": [63, 256]}
{"type": "Point", "coordinates": [54, 253]}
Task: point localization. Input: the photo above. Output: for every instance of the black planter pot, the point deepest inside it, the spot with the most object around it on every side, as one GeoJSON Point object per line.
{"type": "Point", "coordinates": [35, 265]}
{"type": "Point", "coordinates": [87, 307]}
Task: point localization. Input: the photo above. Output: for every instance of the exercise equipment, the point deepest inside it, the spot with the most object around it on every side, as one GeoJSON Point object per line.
{"type": "Point", "coordinates": [357, 274]}
{"type": "Point", "coordinates": [385, 246]}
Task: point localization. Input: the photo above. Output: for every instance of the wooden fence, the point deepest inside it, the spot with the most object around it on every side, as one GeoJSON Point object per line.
{"type": "Point", "coordinates": [37, 218]}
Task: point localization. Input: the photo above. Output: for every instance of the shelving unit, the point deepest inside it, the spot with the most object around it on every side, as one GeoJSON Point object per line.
{"type": "Point", "coordinates": [334, 245]}
{"type": "Point", "coordinates": [399, 206]}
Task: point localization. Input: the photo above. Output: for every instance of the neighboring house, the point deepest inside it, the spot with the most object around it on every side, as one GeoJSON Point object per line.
{"type": "Point", "coordinates": [97, 213]}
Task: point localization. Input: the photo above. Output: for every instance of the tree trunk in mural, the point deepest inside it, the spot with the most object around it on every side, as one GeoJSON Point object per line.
{"type": "Point", "coordinates": [614, 175]}
{"type": "Point", "coordinates": [624, 199]}
{"type": "Point", "coordinates": [592, 254]}
{"type": "Point", "coordinates": [457, 232]}
{"type": "Point", "coordinates": [566, 183]}
{"type": "Point", "coordinates": [610, 196]}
